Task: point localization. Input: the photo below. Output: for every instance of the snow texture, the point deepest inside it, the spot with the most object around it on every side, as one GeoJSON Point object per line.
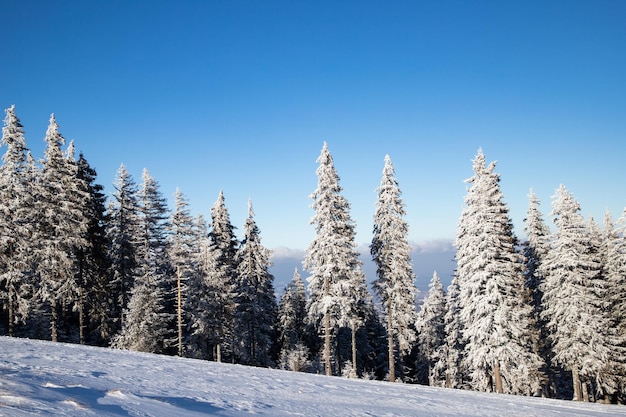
{"type": "Point", "coordinates": [45, 378]}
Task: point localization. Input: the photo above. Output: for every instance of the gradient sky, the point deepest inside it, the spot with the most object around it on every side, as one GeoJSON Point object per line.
{"type": "Point", "coordinates": [240, 96]}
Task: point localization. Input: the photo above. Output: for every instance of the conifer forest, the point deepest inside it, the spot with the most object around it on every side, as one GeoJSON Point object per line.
{"type": "Point", "coordinates": [541, 317]}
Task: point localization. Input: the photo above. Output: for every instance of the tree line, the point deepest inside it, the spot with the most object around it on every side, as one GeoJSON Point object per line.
{"type": "Point", "coordinates": [541, 317]}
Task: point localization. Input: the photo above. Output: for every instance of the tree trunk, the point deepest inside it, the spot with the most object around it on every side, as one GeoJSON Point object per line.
{"type": "Point", "coordinates": [497, 378]}
{"type": "Point", "coordinates": [180, 317]}
{"type": "Point", "coordinates": [54, 321]}
{"type": "Point", "coordinates": [81, 316]}
{"type": "Point", "coordinates": [354, 349]}
{"type": "Point", "coordinates": [577, 386]}
{"type": "Point", "coordinates": [327, 344]}
{"type": "Point", "coordinates": [390, 345]}
{"type": "Point", "coordinates": [218, 355]}
{"type": "Point", "coordinates": [585, 392]}
{"type": "Point", "coordinates": [11, 312]}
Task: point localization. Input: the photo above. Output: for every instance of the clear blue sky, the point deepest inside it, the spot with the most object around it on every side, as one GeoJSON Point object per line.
{"type": "Point", "coordinates": [240, 96]}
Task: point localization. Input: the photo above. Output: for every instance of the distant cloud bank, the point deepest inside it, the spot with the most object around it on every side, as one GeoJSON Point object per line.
{"type": "Point", "coordinates": [427, 256]}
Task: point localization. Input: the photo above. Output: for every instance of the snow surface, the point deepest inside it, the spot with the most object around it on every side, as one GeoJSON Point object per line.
{"type": "Point", "coordinates": [45, 378]}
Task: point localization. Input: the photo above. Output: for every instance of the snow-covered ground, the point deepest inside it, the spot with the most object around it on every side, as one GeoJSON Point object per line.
{"type": "Point", "coordinates": [44, 378]}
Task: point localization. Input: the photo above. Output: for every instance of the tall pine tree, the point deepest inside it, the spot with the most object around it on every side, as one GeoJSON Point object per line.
{"type": "Point", "coordinates": [495, 318]}
{"type": "Point", "coordinates": [335, 284]}
{"type": "Point", "coordinates": [391, 252]}
{"type": "Point", "coordinates": [255, 300]}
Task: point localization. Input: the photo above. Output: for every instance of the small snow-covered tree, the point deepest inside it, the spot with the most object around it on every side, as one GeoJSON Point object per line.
{"type": "Point", "coordinates": [572, 310]}
{"type": "Point", "coordinates": [431, 330]}
{"type": "Point", "coordinates": [452, 355]}
{"type": "Point", "coordinates": [291, 320]}
{"type": "Point", "coordinates": [336, 280]}
{"type": "Point", "coordinates": [255, 300]}
{"type": "Point", "coordinates": [495, 319]}
{"type": "Point", "coordinates": [394, 284]}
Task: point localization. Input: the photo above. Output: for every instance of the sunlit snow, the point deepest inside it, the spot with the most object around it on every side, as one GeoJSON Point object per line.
{"type": "Point", "coordinates": [44, 378]}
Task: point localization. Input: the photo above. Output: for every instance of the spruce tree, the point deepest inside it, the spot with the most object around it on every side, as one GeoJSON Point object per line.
{"type": "Point", "coordinates": [452, 355]}
{"type": "Point", "coordinates": [93, 262]}
{"type": "Point", "coordinates": [615, 272]}
{"type": "Point", "coordinates": [336, 281]}
{"type": "Point", "coordinates": [123, 234]}
{"type": "Point", "coordinates": [534, 251]}
{"type": "Point", "coordinates": [291, 320]}
{"type": "Point", "coordinates": [215, 322]}
{"type": "Point", "coordinates": [431, 330]}
{"type": "Point", "coordinates": [572, 312]}
{"type": "Point", "coordinates": [16, 222]}
{"type": "Point", "coordinates": [149, 324]}
{"type": "Point", "coordinates": [394, 285]}
{"type": "Point", "coordinates": [184, 252]}
{"type": "Point", "coordinates": [255, 300]}
{"type": "Point", "coordinates": [495, 318]}
{"type": "Point", "coordinates": [61, 230]}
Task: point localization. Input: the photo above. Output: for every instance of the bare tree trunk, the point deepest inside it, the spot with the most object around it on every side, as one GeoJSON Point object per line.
{"type": "Point", "coordinates": [585, 392]}
{"type": "Point", "coordinates": [180, 316]}
{"type": "Point", "coordinates": [497, 377]}
{"type": "Point", "coordinates": [218, 353]}
{"type": "Point", "coordinates": [327, 344]}
{"type": "Point", "coordinates": [577, 386]}
{"type": "Point", "coordinates": [54, 321]}
{"type": "Point", "coordinates": [390, 345]}
{"type": "Point", "coordinates": [81, 316]}
{"type": "Point", "coordinates": [11, 312]}
{"type": "Point", "coordinates": [354, 349]}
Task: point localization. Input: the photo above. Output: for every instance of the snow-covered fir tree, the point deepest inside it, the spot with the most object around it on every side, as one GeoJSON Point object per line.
{"type": "Point", "coordinates": [615, 273]}
{"type": "Point", "coordinates": [431, 331]}
{"type": "Point", "coordinates": [395, 282]}
{"type": "Point", "coordinates": [571, 306]}
{"type": "Point", "coordinates": [495, 319]}
{"type": "Point", "coordinates": [149, 324]}
{"type": "Point", "coordinates": [255, 314]}
{"type": "Point", "coordinates": [452, 354]}
{"type": "Point", "coordinates": [336, 281]}
{"type": "Point", "coordinates": [291, 320]}
{"type": "Point", "coordinates": [534, 251]}
{"type": "Point", "coordinates": [93, 263]}
{"type": "Point", "coordinates": [184, 252]}
{"type": "Point", "coordinates": [16, 221]}
{"type": "Point", "coordinates": [124, 235]}
{"type": "Point", "coordinates": [61, 228]}
{"type": "Point", "coordinates": [215, 322]}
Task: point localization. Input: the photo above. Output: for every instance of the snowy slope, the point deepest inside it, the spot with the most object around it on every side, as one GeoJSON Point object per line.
{"type": "Point", "coordinates": [44, 378]}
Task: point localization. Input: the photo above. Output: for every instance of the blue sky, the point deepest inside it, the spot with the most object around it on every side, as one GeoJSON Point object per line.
{"type": "Point", "coordinates": [240, 96]}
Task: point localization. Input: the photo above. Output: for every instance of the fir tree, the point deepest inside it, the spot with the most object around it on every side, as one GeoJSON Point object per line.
{"type": "Point", "coordinates": [496, 321]}
{"type": "Point", "coordinates": [16, 222]}
{"type": "Point", "coordinates": [184, 252]}
{"type": "Point", "coordinates": [61, 230]}
{"type": "Point", "coordinates": [93, 263]}
{"type": "Point", "coordinates": [336, 281]}
{"type": "Point", "coordinates": [255, 300]}
{"type": "Point", "coordinates": [453, 348]}
{"type": "Point", "coordinates": [431, 330]}
{"type": "Point", "coordinates": [292, 315]}
{"type": "Point", "coordinates": [395, 278]}
{"type": "Point", "coordinates": [534, 251]}
{"type": "Point", "coordinates": [215, 323]}
{"type": "Point", "coordinates": [124, 235]}
{"type": "Point", "coordinates": [571, 306]}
